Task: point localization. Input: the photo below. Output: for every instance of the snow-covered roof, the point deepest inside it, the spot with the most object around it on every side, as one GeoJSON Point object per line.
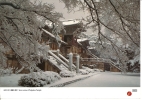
{"type": "Point", "coordinates": [71, 22]}
{"type": "Point", "coordinates": [82, 39]}
{"type": "Point", "coordinates": [100, 42]}
{"type": "Point", "coordinates": [68, 22]}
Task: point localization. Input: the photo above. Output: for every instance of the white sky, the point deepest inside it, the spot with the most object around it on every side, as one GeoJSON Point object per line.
{"type": "Point", "coordinates": [60, 7]}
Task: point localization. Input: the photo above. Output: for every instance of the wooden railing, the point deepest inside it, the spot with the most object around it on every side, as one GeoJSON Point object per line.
{"type": "Point", "coordinates": [60, 56]}
{"type": "Point", "coordinates": [92, 59]}
{"type": "Point", "coordinates": [96, 59]}
{"type": "Point", "coordinates": [101, 60]}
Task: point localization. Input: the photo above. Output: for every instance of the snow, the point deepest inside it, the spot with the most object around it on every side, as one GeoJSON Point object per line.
{"type": "Point", "coordinates": [71, 22]}
{"type": "Point", "coordinates": [61, 56]}
{"type": "Point", "coordinates": [54, 62]}
{"type": "Point", "coordinates": [49, 24]}
{"type": "Point", "coordinates": [66, 73]}
{"type": "Point", "coordinates": [70, 60]}
{"type": "Point", "coordinates": [109, 79]}
{"type": "Point", "coordinates": [66, 60]}
{"type": "Point", "coordinates": [83, 72]}
{"type": "Point", "coordinates": [63, 80]}
{"type": "Point", "coordinates": [136, 59]}
{"type": "Point", "coordinates": [79, 43]}
{"type": "Point", "coordinates": [93, 42]}
{"type": "Point", "coordinates": [58, 59]}
{"type": "Point", "coordinates": [136, 70]}
{"type": "Point", "coordinates": [10, 81]}
{"type": "Point", "coordinates": [89, 47]}
{"type": "Point", "coordinates": [88, 69]}
{"type": "Point", "coordinates": [7, 71]}
{"type": "Point", "coordinates": [97, 70]}
{"type": "Point", "coordinates": [53, 36]}
{"type": "Point", "coordinates": [82, 39]}
{"type": "Point", "coordinates": [105, 79]}
{"type": "Point", "coordinates": [68, 22]}
{"type": "Point", "coordinates": [97, 1]}
{"type": "Point", "coordinates": [43, 50]}
{"type": "Point", "coordinates": [38, 79]}
{"type": "Point", "coordinates": [49, 33]}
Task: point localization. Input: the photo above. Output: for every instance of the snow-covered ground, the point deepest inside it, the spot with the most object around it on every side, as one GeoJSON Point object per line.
{"type": "Point", "coordinates": [109, 79]}
{"type": "Point", "coordinates": [12, 80]}
{"type": "Point", "coordinates": [67, 79]}
{"type": "Point", "coordinates": [99, 79]}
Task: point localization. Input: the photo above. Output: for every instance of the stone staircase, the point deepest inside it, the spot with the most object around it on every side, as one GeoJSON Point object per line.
{"type": "Point", "coordinates": [59, 60]}
{"type": "Point", "coordinates": [56, 63]}
{"type": "Point", "coordinates": [62, 63]}
{"type": "Point", "coordinates": [104, 61]}
{"type": "Point", "coordinates": [97, 59]}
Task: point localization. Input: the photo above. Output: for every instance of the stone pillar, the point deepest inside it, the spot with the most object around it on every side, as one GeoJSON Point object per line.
{"type": "Point", "coordinates": [70, 61]}
{"type": "Point", "coordinates": [77, 63]}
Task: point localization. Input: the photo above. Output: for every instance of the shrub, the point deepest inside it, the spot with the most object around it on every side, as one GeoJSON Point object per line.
{"type": "Point", "coordinates": [88, 69]}
{"type": "Point", "coordinates": [66, 73]}
{"type": "Point", "coordinates": [95, 69]}
{"type": "Point", "coordinates": [51, 76]}
{"type": "Point", "coordinates": [6, 71]}
{"type": "Point", "coordinates": [83, 72]}
{"type": "Point", "coordinates": [28, 81]}
{"type": "Point", "coordinates": [38, 79]}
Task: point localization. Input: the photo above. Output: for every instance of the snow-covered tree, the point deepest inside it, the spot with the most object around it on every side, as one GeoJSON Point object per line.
{"type": "Point", "coordinates": [21, 22]}
{"type": "Point", "coordinates": [115, 22]}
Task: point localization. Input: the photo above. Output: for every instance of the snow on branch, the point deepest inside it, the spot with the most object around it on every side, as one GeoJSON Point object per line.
{"type": "Point", "coordinates": [9, 4]}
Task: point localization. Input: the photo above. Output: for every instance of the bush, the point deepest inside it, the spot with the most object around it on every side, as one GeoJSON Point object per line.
{"type": "Point", "coordinates": [28, 81]}
{"type": "Point", "coordinates": [97, 70]}
{"type": "Point", "coordinates": [83, 72]}
{"type": "Point", "coordinates": [66, 73]}
{"type": "Point", "coordinates": [51, 76]}
{"type": "Point", "coordinates": [136, 70]}
{"type": "Point", "coordinates": [88, 69]}
{"type": "Point", "coordinates": [38, 79]}
{"type": "Point", "coordinates": [6, 71]}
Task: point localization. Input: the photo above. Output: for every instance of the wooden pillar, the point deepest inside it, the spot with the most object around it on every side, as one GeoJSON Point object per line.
{"type": "Point", "coordinates": [46, 65]}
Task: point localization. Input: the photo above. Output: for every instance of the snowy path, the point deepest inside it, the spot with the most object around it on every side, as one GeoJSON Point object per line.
{"type": "Point", "coordinates": [109, 79]}
{"type": "Point", "coordinates": [10, 81]}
